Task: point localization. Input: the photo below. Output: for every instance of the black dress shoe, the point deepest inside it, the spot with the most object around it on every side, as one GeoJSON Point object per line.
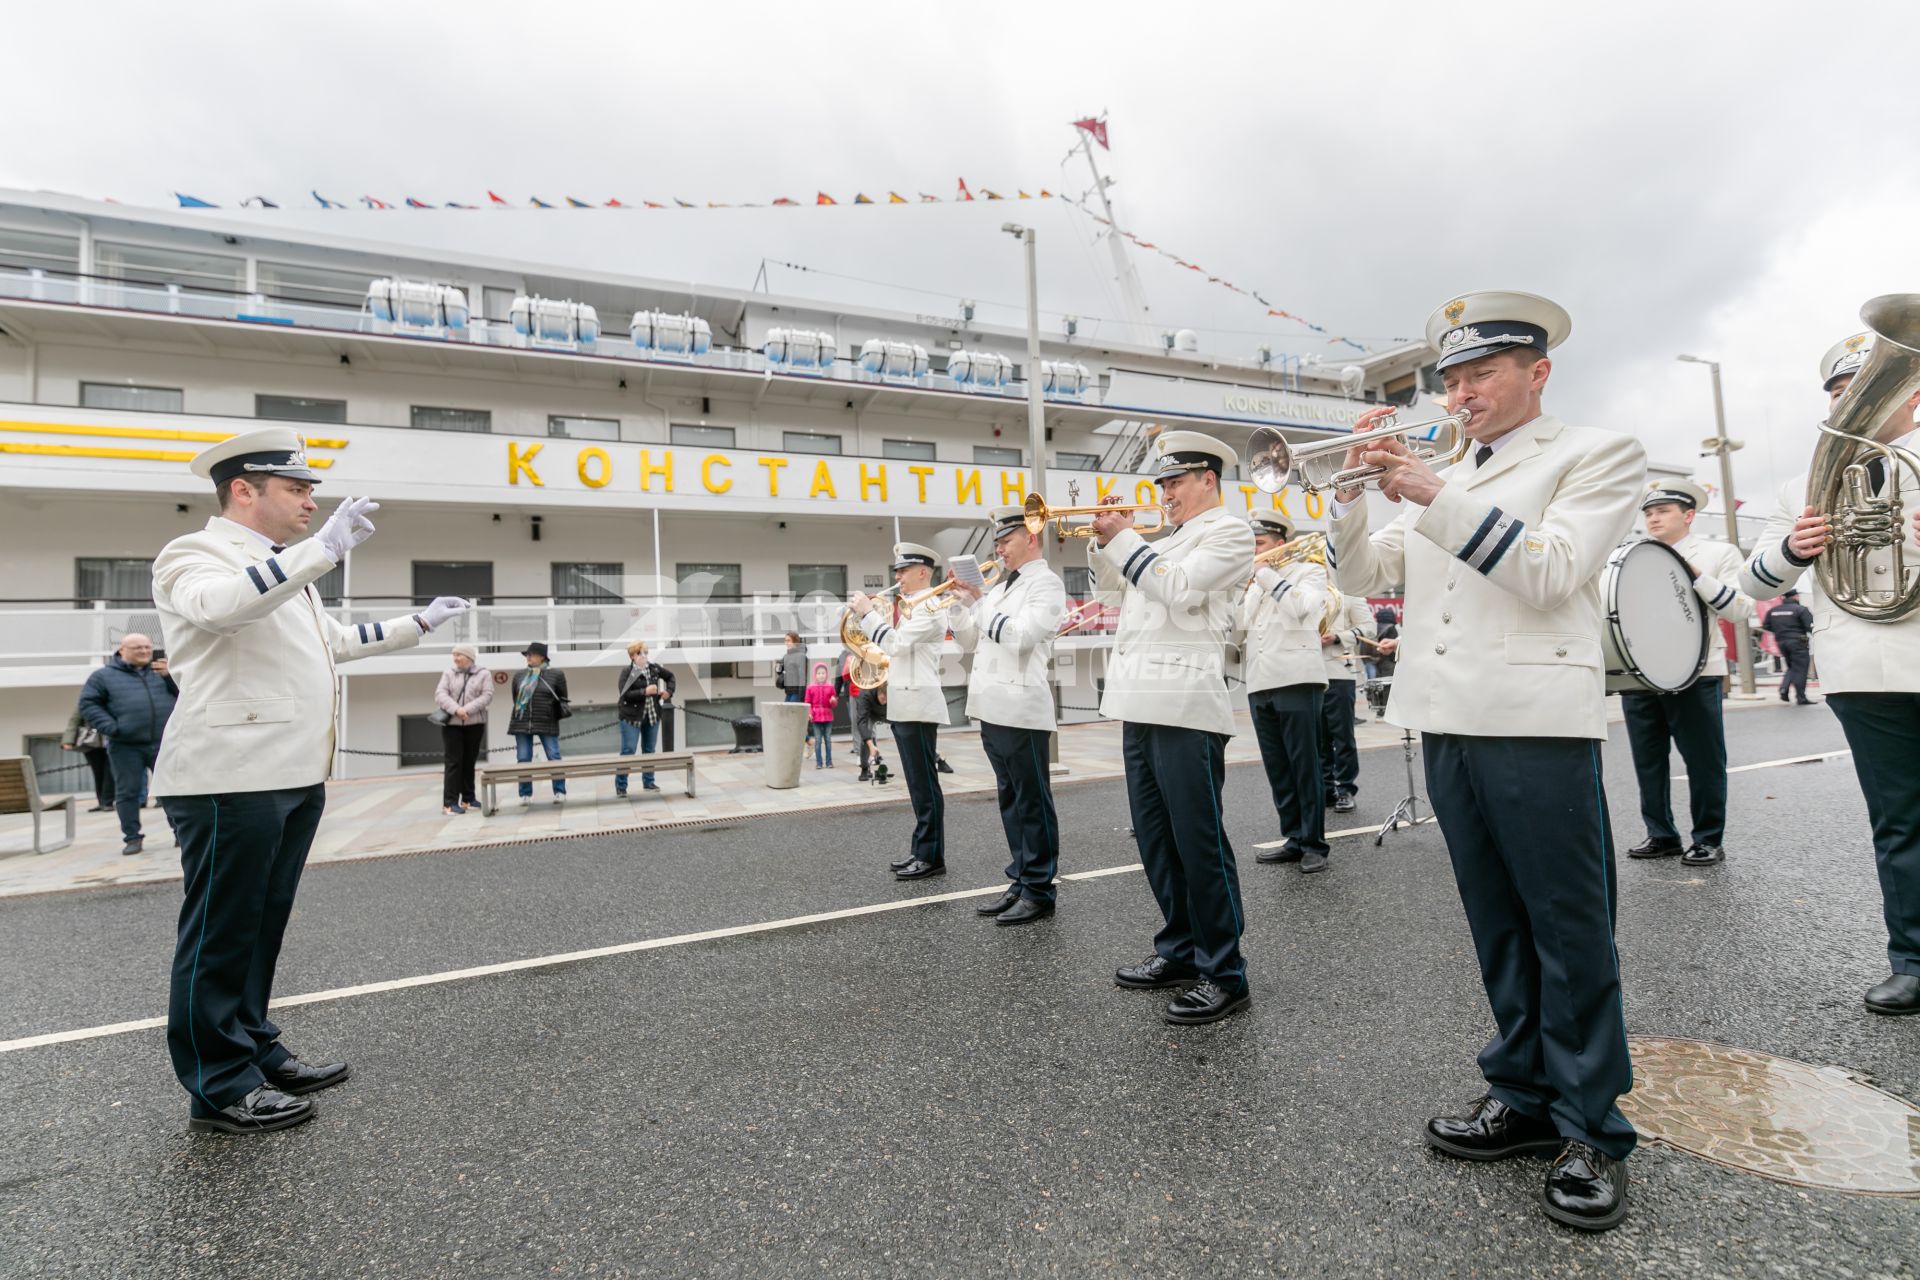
{"type": "Point", "coordinates": [1154, 971]}
{"type": "Point", "coordinates": [900, 864]}
{"type": "Point", "coordinates": [1025, 911]}
{"type": "Point", "coordinates": [1206, 1002]}
{"type": "Point", "coordinates": [1585, 1189]}
{"type": "Point", "coordinates": [132, 847]}
{"type": "Point", "coordinates": [1285, 853]}
{"type": "Point", "coordinates": [1656, 847]}
{"type": "Point", "coordinates": [1703, 855]}
{"type": "Point", "coordinates": [999, 904]}
{"type": "Point", "coordinates": [1899, 994]}
{"type": "Point", "coordinates": [262, 1111]}
{"type": "Point", "coordinates": [1313, 862]}
{"type": "Point", "coordinates": [1491, 1130]}
{"type": "Point", "coordinates": [919, 869]}
{"type": "Point", "coordinates": [1345, 804]}
{"type": "Point", "coordinates": [295, 1077]}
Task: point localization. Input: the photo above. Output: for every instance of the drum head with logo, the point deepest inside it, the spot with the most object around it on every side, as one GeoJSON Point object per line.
{"type": "Point", "coordinates": [1657, 627]}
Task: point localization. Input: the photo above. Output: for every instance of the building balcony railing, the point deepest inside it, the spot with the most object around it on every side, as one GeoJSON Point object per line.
{"type": "Point", "coordinates": [675, 631]}
{"type": "Point", "coordinates": [39, 284]}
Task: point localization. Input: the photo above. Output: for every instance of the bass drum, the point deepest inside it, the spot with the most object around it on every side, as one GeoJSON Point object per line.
{"type": "Point", "coordinates": [1658, 631]}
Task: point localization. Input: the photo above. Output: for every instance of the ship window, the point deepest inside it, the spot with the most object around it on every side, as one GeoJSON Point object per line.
{"type": "Point", "coordinates": [428, 418]}
{"type": "Point", "coordinates": [299, 409]}
{"type": "Point", "coordinates": [559, 424]}
{"type": "Point", "coordinates": [114, 395]}
{"type": "Point", "coordinates": [114, 581]}
{"type": "Point", "coordinates": [1077, 461]}
{"type": "Point", "coordinates": [38, 249]}
{"type": "Point", "coordinates": [713, 437]}
{"type": "Point", "coordinates": [141, 264]}
{"type": "Point", "coordinates": [917, 450]}
{"type": "Point", "coordinates": [708, 581]}
{"type": "Point", "coordinates": [809, 442]}
{"type": "Point", "coordinates": [588, 583]}
{"type": "Point", "coordinates": [323, 285]}
{"type": "Point", "coordinates": [469, 579]}
{"type": "Point", "coordinates": [810, 580]}
{"type": "Point", "coordinates": [994, 455]}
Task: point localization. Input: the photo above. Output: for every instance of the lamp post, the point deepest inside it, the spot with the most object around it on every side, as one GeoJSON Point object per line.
{"type": "Point", "coordinates": [1036, 411]}
{"type": "Point", "coordinates": [1723, 448]}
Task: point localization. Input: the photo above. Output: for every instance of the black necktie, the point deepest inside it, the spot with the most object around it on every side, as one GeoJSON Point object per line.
{"type": "Point", "coordinates": [278, 549]}
{"type": "Point", "coordinates": [1481, 455]}
{"type": "Point", "coordinates": [1010, 579]}
{"type": "Point", "coordinates": [1876, 473]}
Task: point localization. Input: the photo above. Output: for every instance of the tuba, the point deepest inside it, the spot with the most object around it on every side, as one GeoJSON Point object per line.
{"type": "Point", "coordinates": [870, 661]}
{"type": "Point", "coordinates": [1861, 523]}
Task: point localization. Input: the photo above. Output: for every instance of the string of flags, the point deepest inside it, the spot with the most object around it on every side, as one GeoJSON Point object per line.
{"type": "Point", "coordinates": [495, 200]}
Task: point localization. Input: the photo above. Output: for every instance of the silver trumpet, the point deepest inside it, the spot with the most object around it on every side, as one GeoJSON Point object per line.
{"type": "Point", "coordinates": [1273, 461]}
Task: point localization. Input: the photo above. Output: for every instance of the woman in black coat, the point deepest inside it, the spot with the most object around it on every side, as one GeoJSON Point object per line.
{"type": "Point", "coordinates": [646, 689]}
{"type": "Point", "coordinates": [539, 705]}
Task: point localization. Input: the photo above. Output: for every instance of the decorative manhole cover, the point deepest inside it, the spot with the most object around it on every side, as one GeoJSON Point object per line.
{"type": "Point", "coordinates": [1782, 1119]}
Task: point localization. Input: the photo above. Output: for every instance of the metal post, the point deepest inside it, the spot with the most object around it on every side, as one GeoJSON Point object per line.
{"type": "Point", "coordinates": [1036, 410]}
{"type": "Point", "coordinates": [1742, 634]}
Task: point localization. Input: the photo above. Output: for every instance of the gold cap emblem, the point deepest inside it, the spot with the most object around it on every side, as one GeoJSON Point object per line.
{"type": "Point", "coordinates": [1456, 309]}
{"type": "Point", "coordinates": [1857, 341]}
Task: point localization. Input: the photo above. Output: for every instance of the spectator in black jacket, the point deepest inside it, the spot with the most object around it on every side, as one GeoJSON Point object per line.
{"type": "Point", "coordinates": [129, 703]}
{"type": "Point", "coordinates": [1791, 624]}
{"type": "Point", "coordinates": [646, 689]}
{"type": "Point", "coordinates": [539, 705]}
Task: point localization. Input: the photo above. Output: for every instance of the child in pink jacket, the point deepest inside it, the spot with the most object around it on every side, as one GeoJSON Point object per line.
{"type": "Point", "coordinates": [821, 701]}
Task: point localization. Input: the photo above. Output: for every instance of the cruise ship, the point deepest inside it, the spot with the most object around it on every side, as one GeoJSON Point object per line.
{"type": "Point", "coordinates": [592, 457]}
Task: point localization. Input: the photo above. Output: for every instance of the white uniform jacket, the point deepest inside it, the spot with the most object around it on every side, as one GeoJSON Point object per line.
{"type": "Point", "coordinates": [1277, 628]}
{"type": "Point", "coordinates": [1854, 655]}
{"type": "Point", "coordinates": [913, 680]}
{"type": "Point", "coordinates": [1010, 633]}
{"type": "Point", "coordinates": [1177, 598]}
{"type": "Point", "coordinates": [1501, 634]}
{"type": "Point", "coordinates": [1718, 586]}
{"type": "Point", "coordinates": [1354, 624]}
{"type": "Point", "coordinates": [253, 653]}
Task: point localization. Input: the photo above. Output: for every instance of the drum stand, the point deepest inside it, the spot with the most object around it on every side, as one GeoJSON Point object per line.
{"type": "Point", "coordinates": [1408, 810]}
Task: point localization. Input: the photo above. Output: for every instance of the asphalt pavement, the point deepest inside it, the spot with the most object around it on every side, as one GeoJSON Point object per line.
{"type": "Point", "coordinates": [916, 1092]}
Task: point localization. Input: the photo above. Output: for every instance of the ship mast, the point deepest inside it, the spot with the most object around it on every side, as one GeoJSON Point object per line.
{"type": "Point", "coordinates": [1132, 296]}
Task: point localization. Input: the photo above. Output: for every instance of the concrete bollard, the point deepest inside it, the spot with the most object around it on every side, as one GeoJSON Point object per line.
{"type": "Point", "coordinates": [783, 728]}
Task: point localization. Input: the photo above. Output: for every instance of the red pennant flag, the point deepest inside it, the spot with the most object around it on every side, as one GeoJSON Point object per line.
{"type": "Point", "coordinates": [823, 198]}
{"type": "Point", "coordinates": [964, 193]}
{"type": "Point", "coordinates": [1097, 128]}
{"type": "Point", "coordinates": [783, 202]}
{"type": "Point", "coordinates": [615, 204]}
{"type": "Point", "coordinates": [653, 204]}
{"type": "Point", "coordinates": [495, 198]}
{"type": "Point", "coordinates": [927, 199]}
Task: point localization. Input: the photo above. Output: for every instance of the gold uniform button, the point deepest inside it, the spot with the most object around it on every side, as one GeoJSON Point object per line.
{"type": "Point", "coordinates": [1440, 648]}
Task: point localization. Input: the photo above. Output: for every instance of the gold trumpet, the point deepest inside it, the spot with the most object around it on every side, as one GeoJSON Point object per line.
{"type": "Point", "coordinates": [1273, 460]}
{"type": "Point", "coordinates": [933, 598]}
{"type": "Point", "coordinates": [1039, 515]}
{"type": "Point", "coordinates": [1308, 548]}
{"type": "Point", "coordinates": [870, 661]}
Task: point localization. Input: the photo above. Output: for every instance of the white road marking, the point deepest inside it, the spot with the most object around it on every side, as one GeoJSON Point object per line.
{"type": "Point", "coordinates": [678, 940]}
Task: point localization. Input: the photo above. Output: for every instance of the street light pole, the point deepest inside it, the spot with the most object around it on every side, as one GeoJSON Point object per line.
{"type": "Point", "coordinates": [1036, 409]}
{"type": "Point", "coordinates": [1723, 448]}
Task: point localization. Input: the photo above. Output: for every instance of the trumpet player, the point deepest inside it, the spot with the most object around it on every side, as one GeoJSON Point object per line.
{"type": "Point", "coordinates": [916, 702]}
{"type": "Point", "coordinates": [1010, 630]}
{"type": "Point", "coordinates": [1869, 673]}
{"type": "Point", "coordinates": [1166, 681]}
{"type": "Point", "coordinates": [1277, 630]}
{"type": "Point", "coordinates": [1500, 672]}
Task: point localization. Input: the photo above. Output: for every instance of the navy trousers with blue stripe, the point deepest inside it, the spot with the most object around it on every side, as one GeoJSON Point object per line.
{"type": "Point", "coordinates": [1525, 820]}
{"type": "Point", "coordinates": [242, 853]}
{"type": "Point", "coordinates": [1174, 779]}
{"type": "Point", "coordinates": [917, 744]}
{"type": "Point", "coordinates": [1019, 760]}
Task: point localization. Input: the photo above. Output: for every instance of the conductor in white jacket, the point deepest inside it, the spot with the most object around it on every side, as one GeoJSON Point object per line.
{"type": "Point", "coordinates": [1277, 630]}
{"type": "Point", "coordinates": [1010, 630]}
{"type": "Point", "coordinates": [1500, 672]}
{"type": "Point", "coordinates": [243, 768]}
{"type": "Point", "coordinates": [1167, 683]}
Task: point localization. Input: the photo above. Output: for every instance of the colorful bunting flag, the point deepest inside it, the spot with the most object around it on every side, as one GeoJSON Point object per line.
{"type": "Point", "coordinates": [615, 204]}
{"type": "Point", "coordinates": [863, 199]}
{"type": "Point", "coordinates": [452, 205]}
{"type": "Point", "coordinates": [927, 199]}
{"type": "Point", "coordinates": [684, 204]}
{"type": "Point", "coordinates": [577, 204]}
{"type": "Point", "coordinates": [372, 203]}
{"type": "Point", "coordinates": [538, 203]}
{"type": "Point", "coordinates": [417, 204]}
{"type": "Point", "coordinates": [653, 204]}
{"type": "Point", "coordinates": [194, 202]}
{"type": "Point", "coordinates": [259, 202]}
{"type": "Point", "coordinates": [823, 198]}
{"type": "Point", "coordinates": [784, 202]}
{"type": "Point", "coordinates": [894, 197]}
{"type": "Point", "coordinates": [326, 203]}
{"type": "Point", "coordinates": [1096, 128]}
{"type": "Point", "coordinates": [496, 199]}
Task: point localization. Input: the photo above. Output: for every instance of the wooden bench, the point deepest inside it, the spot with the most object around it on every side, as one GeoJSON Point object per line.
{"type": "Point", "coordinates": [490, 777]}
{"type": "Point", "coordinates": [20, 793]}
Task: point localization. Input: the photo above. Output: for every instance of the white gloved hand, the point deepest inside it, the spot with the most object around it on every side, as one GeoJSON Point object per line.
{"type": "Point", "coordinates": [441, 610]}
{"type": "Point", "coordinates": [1268, 577]}
{"type": "Point", "coordinates": [347, 527]}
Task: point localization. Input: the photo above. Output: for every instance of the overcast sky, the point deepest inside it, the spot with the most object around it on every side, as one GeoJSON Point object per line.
{"type": "Point", "coordinates": [1731, 180]}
